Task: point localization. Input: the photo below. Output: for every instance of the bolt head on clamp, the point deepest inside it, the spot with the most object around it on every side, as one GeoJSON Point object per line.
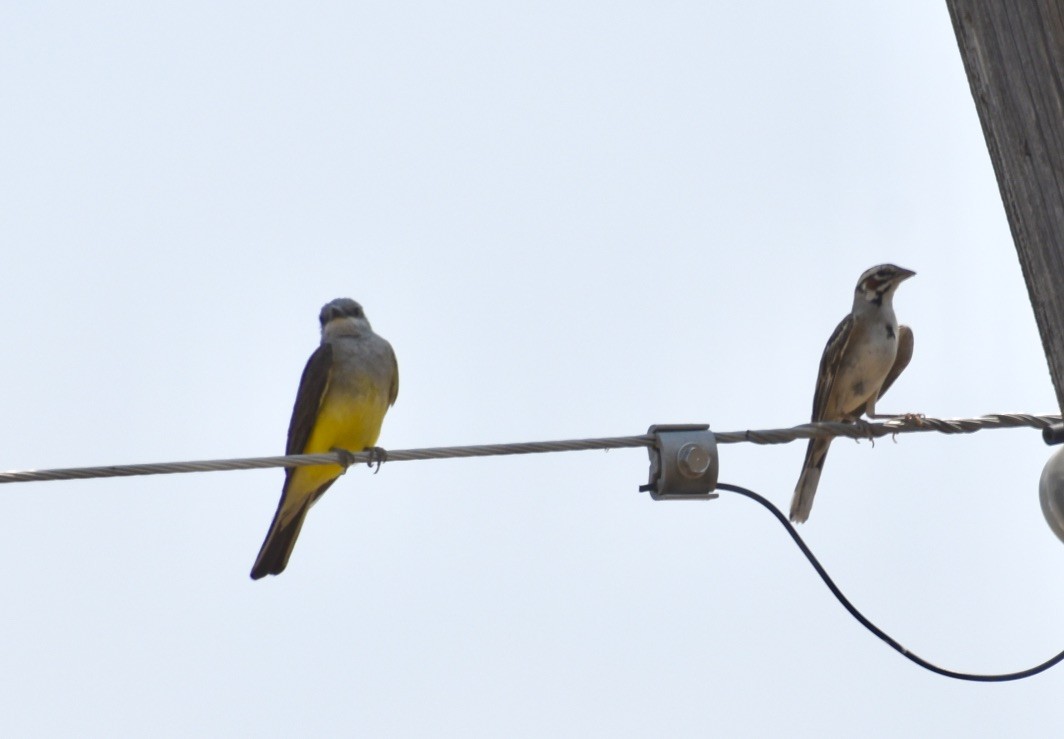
{"type": "Point", "coordinates": [683, 462]}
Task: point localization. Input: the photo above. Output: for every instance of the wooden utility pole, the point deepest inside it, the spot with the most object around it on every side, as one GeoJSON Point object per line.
{"type": "Point", "coordinates": [1013, 53]}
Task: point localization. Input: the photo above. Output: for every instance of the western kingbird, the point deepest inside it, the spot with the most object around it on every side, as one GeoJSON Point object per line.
{"type": "Point", "coordinates": [347, 386]}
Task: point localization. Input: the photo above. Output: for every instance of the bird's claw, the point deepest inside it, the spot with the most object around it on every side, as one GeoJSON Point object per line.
{"type": "Point", "coordinates": [866, 430]}
{"type": "Point", "coordinates": [917, 419]}
{"type": "Point", "coordinates": [377, 456]}
{"type": "Point", "coordinates": [344, 457]}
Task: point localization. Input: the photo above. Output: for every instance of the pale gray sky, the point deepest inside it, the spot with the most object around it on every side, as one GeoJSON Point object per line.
{"type": "Point", "coordinates": [570, 219]}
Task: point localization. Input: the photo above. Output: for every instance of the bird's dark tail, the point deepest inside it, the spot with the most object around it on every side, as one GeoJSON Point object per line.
{"type": "Point", "coordinates": [802, 502]}
{"type": "Point", "coordinates": [277, 548]}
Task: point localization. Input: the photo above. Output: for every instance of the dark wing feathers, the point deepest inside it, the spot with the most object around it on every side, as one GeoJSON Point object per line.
{"type": "Point", "coordinates": [826, 376]}
{"type": "Point", "coordinates": [393, 391]}
{"type": "Point", "coordinates": [312, 388]}
{"type": "Point", "coordinates": [901, 360]}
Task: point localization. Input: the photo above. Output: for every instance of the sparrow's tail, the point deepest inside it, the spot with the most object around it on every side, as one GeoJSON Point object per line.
{"type": "Point", "coordinates": [802, 502]}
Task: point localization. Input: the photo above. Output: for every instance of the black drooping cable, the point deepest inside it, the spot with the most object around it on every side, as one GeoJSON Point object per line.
{"type": "Point", "coordinates": [868, 624]}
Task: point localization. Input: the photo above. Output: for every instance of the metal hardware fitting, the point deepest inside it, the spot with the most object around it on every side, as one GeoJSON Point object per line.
{"type": "Point", "coordinates": [1053, 434]}
{"type": "Point", "coordinates": [683, 462]}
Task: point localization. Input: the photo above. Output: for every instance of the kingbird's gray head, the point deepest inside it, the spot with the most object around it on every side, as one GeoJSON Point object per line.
{"type": "Point", "coordinates": [342, 317]}
{"type": "Point", "coordinates": [879, 282]}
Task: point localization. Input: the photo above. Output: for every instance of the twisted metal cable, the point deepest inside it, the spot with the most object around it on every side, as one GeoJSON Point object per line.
{"type": "Point", "coordinates": [860, 430]}
{"type": "Point", "coordinates": [898, 425]}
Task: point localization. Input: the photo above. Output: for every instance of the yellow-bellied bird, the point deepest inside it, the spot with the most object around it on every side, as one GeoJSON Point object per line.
{"type": "Point", "coordinates": [861, 361]}
{"type": "Point", "coordinates": [348, 385]}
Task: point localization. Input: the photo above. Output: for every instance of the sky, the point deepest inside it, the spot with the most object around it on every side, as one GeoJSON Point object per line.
{"type": "Point", "coordinates": [570, 220]}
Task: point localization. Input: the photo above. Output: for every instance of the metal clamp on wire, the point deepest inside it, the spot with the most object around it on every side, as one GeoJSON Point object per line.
{"type": "Point", "coordinates": [683, 462]}
{"type": "Point", "coordinates": [1053, 434]}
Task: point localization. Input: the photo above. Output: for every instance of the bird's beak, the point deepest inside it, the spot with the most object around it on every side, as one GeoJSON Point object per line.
{"type": "Point", "coordinates": [903, 274]}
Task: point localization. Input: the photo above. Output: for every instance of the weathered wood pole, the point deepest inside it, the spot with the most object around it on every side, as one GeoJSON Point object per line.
{"type": "Point", "coordinates": [1013, 53]}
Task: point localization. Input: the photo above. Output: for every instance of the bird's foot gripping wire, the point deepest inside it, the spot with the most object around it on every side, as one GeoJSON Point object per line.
{"type": "Point", "coordinates": [377, 456]}
{"type": "Point", "coordinates": [865, 429]}
{"type": "Point", "coordinates": [919, 420]}
{"type": "Point", "coordinates": [345, 458]}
